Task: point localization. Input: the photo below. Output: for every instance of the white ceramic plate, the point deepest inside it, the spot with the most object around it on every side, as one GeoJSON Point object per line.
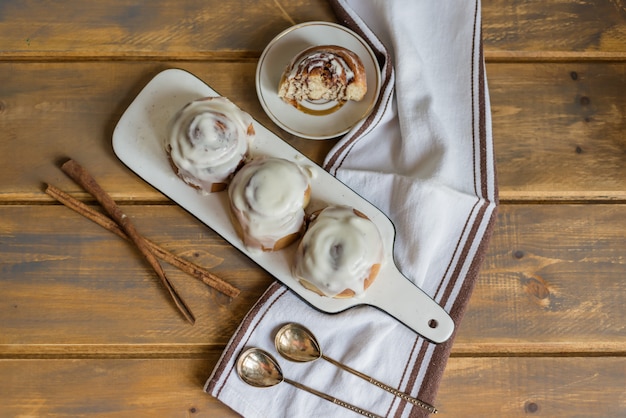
{"type": "Point", "coordinates": [279, 53]}
{"type": "Point", "coordinates": [138, 141]}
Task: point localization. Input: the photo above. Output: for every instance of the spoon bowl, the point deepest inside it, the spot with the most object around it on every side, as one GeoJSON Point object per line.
{"type": "Point", "coordinates": [296, 343]}
{"type": "Point", "coordinates": [258, 368]}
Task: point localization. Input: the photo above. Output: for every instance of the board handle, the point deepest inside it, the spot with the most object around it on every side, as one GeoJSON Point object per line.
{"type": "Point", "coordinates": [410, 305]}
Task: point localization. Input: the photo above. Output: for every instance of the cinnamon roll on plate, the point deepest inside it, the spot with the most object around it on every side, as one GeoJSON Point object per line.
{"type": "Point", "coordinates": [323, 73]}
{"type": "Point", "coordinates": [340, 253]}
{"type": "Point", "coordinates": [267, 198]}
{"type": "Point", "coordinates": [317, 80]}
{"type": "Point", "coordinates": [209, 139]}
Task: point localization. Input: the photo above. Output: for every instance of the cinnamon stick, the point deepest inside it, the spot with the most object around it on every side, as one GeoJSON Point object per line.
{"type": "Point", "coordinates": [84, 179]}
{"type": "Point", "coordinates": [104, 221]}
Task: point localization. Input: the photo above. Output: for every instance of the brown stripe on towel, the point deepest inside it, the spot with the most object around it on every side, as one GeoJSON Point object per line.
{"type": "Point", "coordinates": [250, 318]}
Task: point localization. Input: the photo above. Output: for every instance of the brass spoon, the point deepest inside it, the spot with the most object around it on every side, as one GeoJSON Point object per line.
{"type": "Point", "coordinates": [258, 368]}
{"type": "Point", "coordinates": [296, 343]}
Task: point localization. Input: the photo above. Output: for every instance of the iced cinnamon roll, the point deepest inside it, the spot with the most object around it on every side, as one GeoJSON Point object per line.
{"type": "Point", "coordinates": [340, 253]}
{"type": "Point", "coordinates": [327, 72]}
{"type": "Point", "coordinates": [209, 139]}
{"type": "Point", "coordinates": [267, 200]}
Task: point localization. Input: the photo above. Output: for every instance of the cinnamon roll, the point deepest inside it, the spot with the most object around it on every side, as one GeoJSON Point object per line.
{"type": "Point", "coordinates": [267, 200]}
{"type": "Point", "coordinates": [209, 139]}
{"type": "Point", "coordinates": [340, 253]}
{"type": "Point", "coordinates": [327, 72]}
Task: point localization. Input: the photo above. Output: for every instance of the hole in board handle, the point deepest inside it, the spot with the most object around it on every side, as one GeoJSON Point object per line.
{"type": "Point", "coordinates": [433, 323]}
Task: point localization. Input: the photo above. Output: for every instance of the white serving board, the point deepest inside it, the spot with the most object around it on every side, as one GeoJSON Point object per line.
{"type": "Point", "coordinates": [138, 142]}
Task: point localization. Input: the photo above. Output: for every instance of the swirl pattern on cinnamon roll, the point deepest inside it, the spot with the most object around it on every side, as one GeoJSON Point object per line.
{"type": "Point", "coordinates": [340, 253]}
{"type": "Point", "coordinates": [267, 200]}
{"type": "Point", "coordinates": [326, 72]}
{"type": "Point", "coordinates": [209, 139]}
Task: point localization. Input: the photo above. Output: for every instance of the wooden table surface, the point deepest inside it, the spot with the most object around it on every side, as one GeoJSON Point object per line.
{"type": "Point", "coordinates": [85, 328]}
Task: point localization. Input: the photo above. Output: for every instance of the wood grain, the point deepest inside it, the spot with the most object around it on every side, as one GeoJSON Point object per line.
{"type": "Point", "coordinates": [556, 30]}
{"type": "Point", "coordinates": [553, 125]}
{"type": "Point", "coordinates": [480, 387]}
{"type": "Point", "coordinates": [558, 130]}
{"type": "Point", "coordinates": [58, 92]}
{"type": "Point", "coordinates": [544, 333]}
{"type": "Point", "coordinates": [67, 281]}
{"type": "Point", "coordinates": [196, 30]}
{"type": "Point", "coordinates": [528, 387]}
{"type": "Point", "coordinates": [552, 282]}
{"type": "Point", "coordinates": [210, 29]}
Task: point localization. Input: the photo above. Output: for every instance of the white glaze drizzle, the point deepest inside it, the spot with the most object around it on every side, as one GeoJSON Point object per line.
{"type": "Point", "coordinates": [337, 71]}
{"type": "Point", "coordinates": [305, 64]}
{"type": "Point", "coordinates": [338, 250]}
{"type": "Point", "coordinates": [208, 139]}
{"type": "Point", "coordinates": [268, 198]}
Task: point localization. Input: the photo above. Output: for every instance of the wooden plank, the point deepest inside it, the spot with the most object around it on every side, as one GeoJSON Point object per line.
{"type": "Point", "coordinates": [554, 125]}
{"type": "Point", "coordinates": [552, 282]}
{"type": "Point", "coordinates": [505, 387]}
{"type": "Point", "coordinates": [198, 29]}
{"type": "Point", "coordinates": [66, 281]}
{"type": "Point", "coordinates": [108, 387]}
{"type": "Point", "coordinates": [526, 387]}
{"type": "Point", "coordinates": [85, 327]}
{"type": "Point", "coordinates": [70, 109]}
{"type": "Point", "coordinates": [561, 29]}
{"type": "Point", "coordinates": [558, 130]}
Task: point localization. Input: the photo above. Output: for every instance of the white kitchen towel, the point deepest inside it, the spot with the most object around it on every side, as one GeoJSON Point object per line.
{"type": "Point", "coordinates": [425, 158]}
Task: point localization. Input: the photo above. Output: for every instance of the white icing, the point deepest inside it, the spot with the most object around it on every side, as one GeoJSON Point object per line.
{"type": "Point", "coordinates": [338, 250]}
{"type": "Point", "coordinates": [268, 197]}
{"type": "Point", "coordinates": [337, 74]}
{"type": "Point", "coordinates": [337, 65]}
{"type": "Point", "coordinates": [208, 139]}
{"type": "Point", "coordinates": [310, 171]}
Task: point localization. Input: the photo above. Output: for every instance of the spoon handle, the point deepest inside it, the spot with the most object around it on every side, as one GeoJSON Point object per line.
{"type": "Point", "coordinates": [332, 399]}
{"type": "Point", "coordinates": [381, 385]}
